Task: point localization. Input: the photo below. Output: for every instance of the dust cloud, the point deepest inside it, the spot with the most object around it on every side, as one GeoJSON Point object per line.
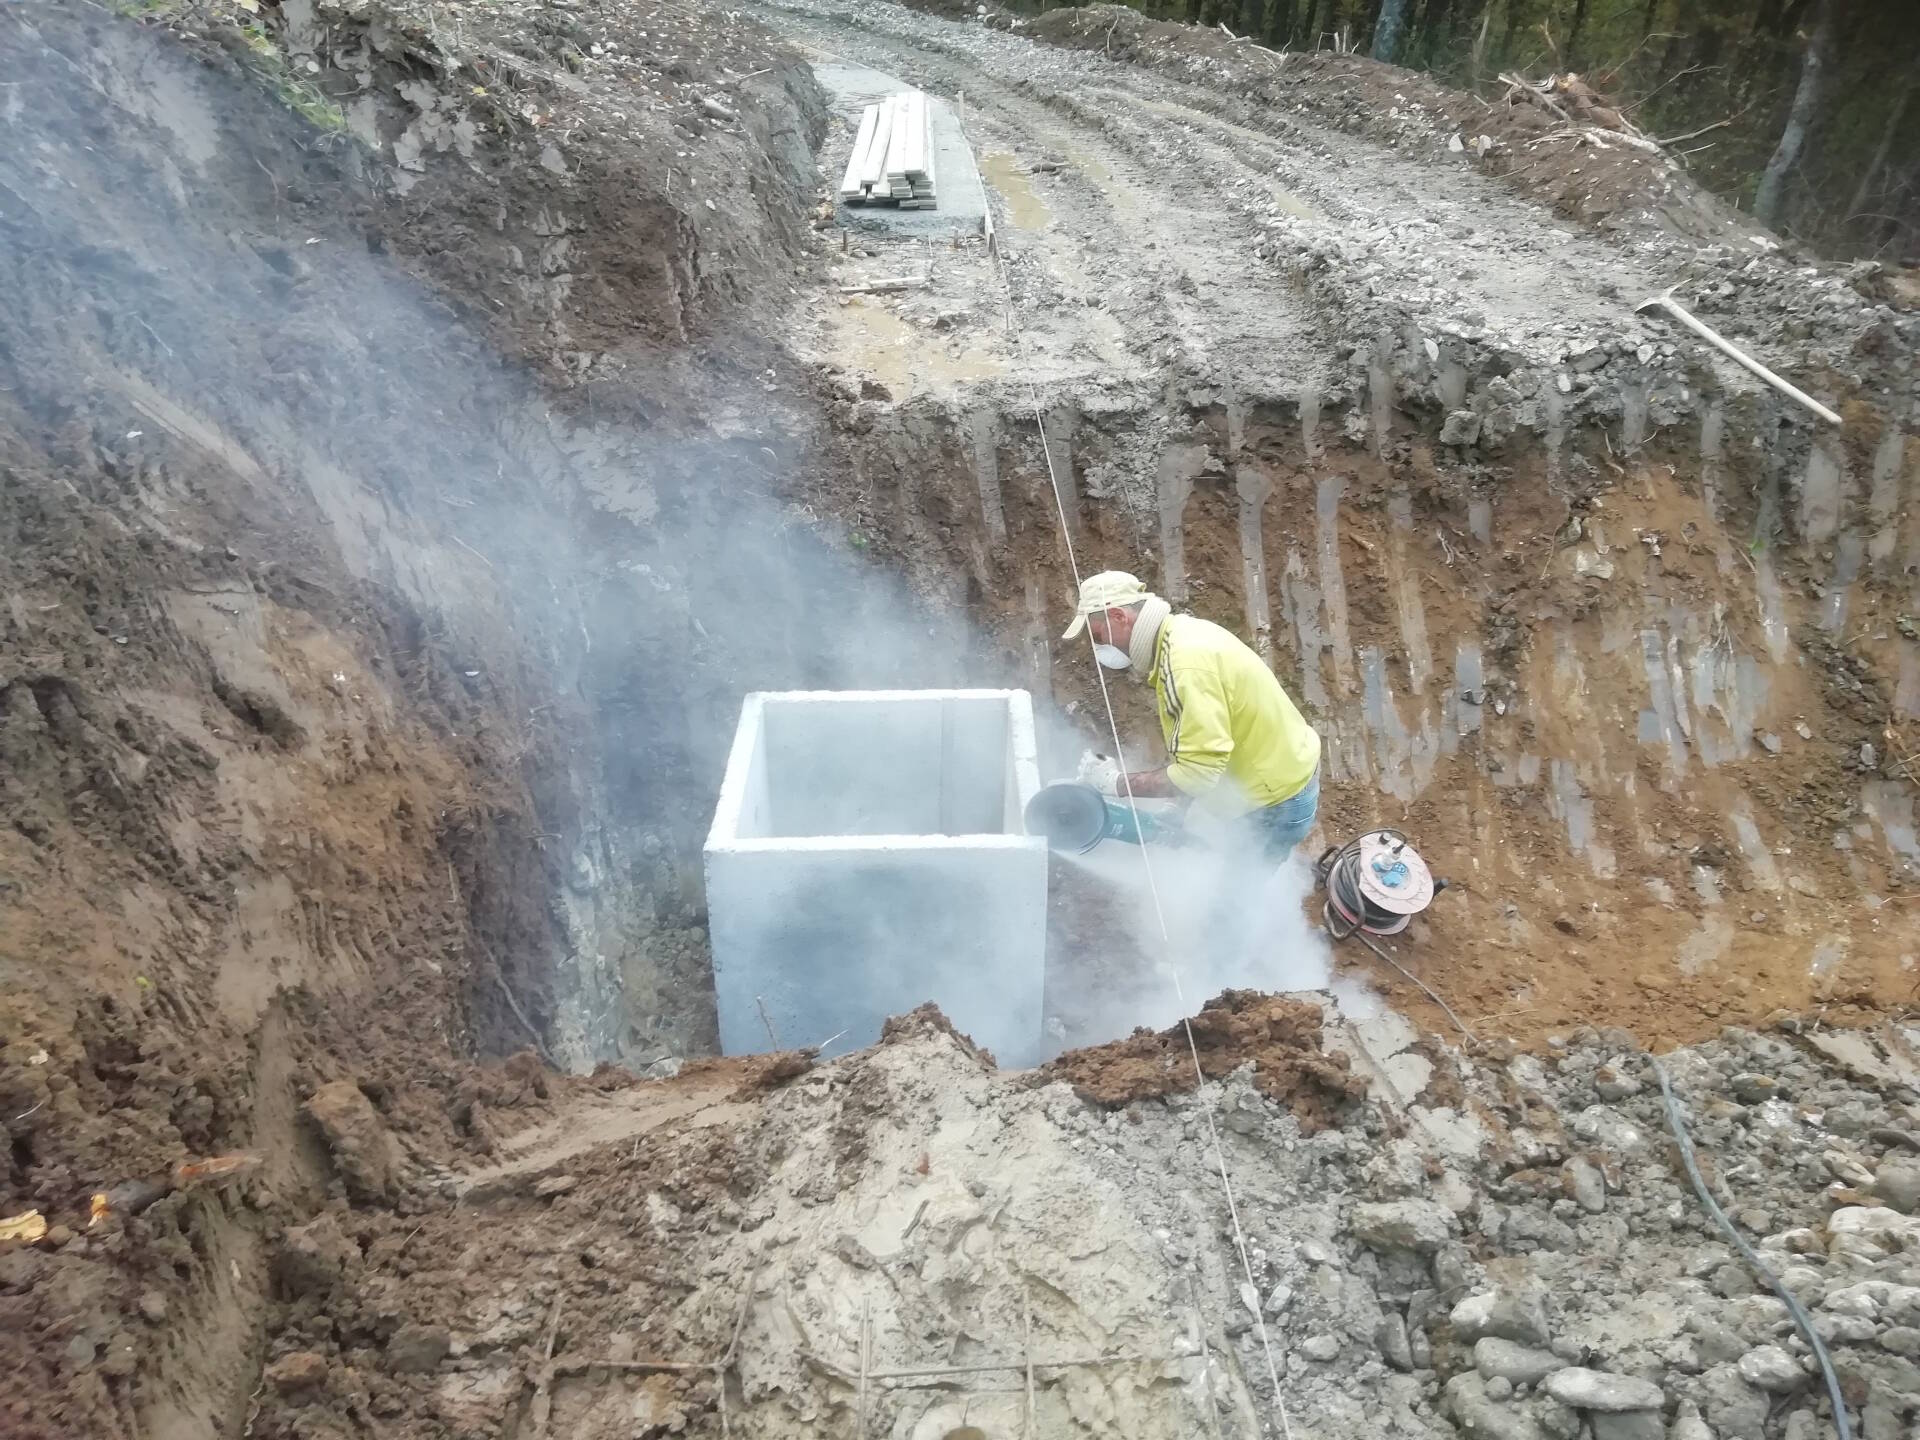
{"type": "Point", "coordinates": [1233, 920]}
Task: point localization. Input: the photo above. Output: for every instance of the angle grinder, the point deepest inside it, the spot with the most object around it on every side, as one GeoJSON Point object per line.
{"type": "Point", "coordinates": [1078, 817]}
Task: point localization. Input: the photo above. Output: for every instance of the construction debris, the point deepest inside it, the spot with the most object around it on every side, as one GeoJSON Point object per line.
{"type": "Point", "coordinates": [892, 161]}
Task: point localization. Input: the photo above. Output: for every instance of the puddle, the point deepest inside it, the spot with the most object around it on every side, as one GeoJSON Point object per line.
{"type": "Point", "coordinates": [870, 338]}
{"type": "Point", "coordinates": [1025, 210]}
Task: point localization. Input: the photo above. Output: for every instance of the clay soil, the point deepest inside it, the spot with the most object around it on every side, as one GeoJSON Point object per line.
{"type": "Point", "coordinates": [367, 656]}
{"type": "Point", "coordinates": [1279, 1037]}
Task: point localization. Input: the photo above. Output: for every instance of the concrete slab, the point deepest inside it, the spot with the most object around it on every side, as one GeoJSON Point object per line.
{"type": "Point", "coordinates": [868, 855]}
{"type": "Point", "coordinates": [962, 195]}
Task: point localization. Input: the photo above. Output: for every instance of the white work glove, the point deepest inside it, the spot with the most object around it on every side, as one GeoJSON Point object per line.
{"type": "Point", "coordinates": [1102, 772]}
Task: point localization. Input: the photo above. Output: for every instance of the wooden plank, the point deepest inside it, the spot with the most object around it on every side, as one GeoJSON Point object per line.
{"type": "Point", "coordinates": [863, 142]}
{"type": "Point", "coordinates": [896, 138]}
{"type": "Point", "coordinates": [874, 170]}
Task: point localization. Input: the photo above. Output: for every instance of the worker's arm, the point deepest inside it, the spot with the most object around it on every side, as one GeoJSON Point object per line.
{"type": "Point", "coordinates": [1151, 785]}
{"type": "Point", "coordinates": [1201, 741]}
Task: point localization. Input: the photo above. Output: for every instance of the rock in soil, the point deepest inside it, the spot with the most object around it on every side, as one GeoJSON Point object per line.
{"type": "Point", "coordinates": [357, 1137]}
{"type": "Point", "coordinates": [1584, 1389]}
{"type": "Point", "coordinates": [302, 1370]}
{"type": "Point", "coordinates": [1480, 1417]}
{"type": "Point", "coordinates": [418, 1349]}
{"type": "Point", "coordinates": [1505, 1314]}
{"type": "Point", "coordinates": [311, 1258]}
{"type": "Point", "coordinates": [1772, 1369]}
{"type": "Point", "coordinates": [1520, 1364]}
{"type": "Point", "coordinates": [1417, 1225]}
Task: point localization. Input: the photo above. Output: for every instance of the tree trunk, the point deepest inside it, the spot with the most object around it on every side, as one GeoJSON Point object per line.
{"type": "Point", "coordinates": [1316, 23]}
{"type": "Point", "coordinates": [1280, 23]}
{"type": "Point", "coordinates": [1769, 201]}
{"type": "Point", "coordinates": [1387, 30]}
{"type": "Point", "coordinates": [1516, 9]}
{"type": "Point", "coordinates": [1880, 151]}
{"type": "Point", "coordinates": [1363, 34]}
{"type": "Point", "coordinates": [1431, 17]}
{"type": "Point", "coordinates": [1573, 34]}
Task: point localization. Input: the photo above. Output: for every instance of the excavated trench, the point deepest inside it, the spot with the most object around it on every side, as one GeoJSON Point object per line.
{"type": "Point", "coordinates": [384, 572]}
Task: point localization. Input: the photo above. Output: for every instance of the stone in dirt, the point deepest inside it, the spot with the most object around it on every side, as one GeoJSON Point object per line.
{"type": "Point", "coordinates": [1629, 1425]}
{"type": "Point", "coordinates": [1597, 1390]}
{"type": "Point", "coordinates": [1589, 1187]}
{"type": "Point", "coordinates": [1897, 1184]}
{"type": "Point", "coordinates": [311, 1258]}
{"type": "Point", "coordinates": [1688, 1424]}
{"type": "Point", "coordinates": [362, 1149]}
{"type": "Point", "coordinates": [418, 1349]}
{"type": "Point", "coordinates": [1418, 1225]}
{"type": "Point", "coordinates": [1396, 1348]}
{"type": "Point", "coordinates": [1522, 1364]}
{"type": "Point", "coordinates": [1769, 1368]}
{"type": "Point", "coordinates": [1461, 427]}
{"type": "Point", "coordinates": [302, 1370]}
{"type": "Point", "coordinates": [1735, 1410]}
{"type": "Point", "coordinates": [1481, 1417]}
{"type": "Point", "coordinates": [1320, 1347]}
{"type": "Point", "coordinates": [1508, 1314]}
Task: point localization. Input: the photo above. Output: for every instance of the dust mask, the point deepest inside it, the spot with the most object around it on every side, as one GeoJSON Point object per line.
{"type": "Point", "coordinates": [1113, 657]}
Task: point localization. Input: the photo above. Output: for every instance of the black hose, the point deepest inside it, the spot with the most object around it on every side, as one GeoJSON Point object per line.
{"type": "Point", "coordinates": [1802, 1321]}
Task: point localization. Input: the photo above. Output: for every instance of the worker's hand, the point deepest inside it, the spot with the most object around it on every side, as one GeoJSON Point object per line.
{"type": "Point", "coordinates": [1102, 772]}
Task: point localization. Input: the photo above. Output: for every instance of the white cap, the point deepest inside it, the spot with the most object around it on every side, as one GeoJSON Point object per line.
{"type": "Point", "coordinates": [1109, 590]}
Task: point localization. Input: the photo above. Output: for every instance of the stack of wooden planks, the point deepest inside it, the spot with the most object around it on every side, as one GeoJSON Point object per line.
{"type": "Point", "coordinates": [892, 160]}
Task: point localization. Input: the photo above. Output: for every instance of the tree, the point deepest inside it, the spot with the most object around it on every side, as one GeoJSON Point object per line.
{"type": "Point", "coordinates": [1387, 29]}
{"type": "Point", "coordinates": [1770, 200]}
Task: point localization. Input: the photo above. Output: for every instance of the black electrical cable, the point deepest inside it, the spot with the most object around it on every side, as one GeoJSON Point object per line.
{"type": "Point", "coordinates": [1340, 869]}
{"type": "Point", "coordinates": [1349, 914]}
{"type": "Point", "coordinates": [1802, 1321]}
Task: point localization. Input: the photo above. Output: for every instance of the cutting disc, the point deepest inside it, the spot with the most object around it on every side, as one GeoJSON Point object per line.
{"type": "Point", "coordinates": [1392, 875]}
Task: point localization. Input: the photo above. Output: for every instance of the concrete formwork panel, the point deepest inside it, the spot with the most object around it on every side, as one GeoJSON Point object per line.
{"type": "Point", "coordinates": [868, 854]}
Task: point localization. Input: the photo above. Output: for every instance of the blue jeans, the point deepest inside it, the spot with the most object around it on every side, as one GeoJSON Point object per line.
{"type": "Point", "coordinates": [1280, 827]}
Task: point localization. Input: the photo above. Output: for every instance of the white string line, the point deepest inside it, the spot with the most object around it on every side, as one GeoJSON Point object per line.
{"type": "Point", "coordinates": [1166, 937]}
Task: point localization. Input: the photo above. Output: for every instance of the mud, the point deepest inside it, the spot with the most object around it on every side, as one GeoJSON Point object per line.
{"type": "Point", "coordinates": [1281, 1038]}
{"type": "Point", "coordinates": [419, 427]}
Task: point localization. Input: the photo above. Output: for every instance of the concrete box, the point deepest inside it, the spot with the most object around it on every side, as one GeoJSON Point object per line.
{"type": "Point", "coordinates": [867, 855]}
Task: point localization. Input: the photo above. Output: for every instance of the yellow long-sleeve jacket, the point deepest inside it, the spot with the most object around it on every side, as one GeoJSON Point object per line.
{"type": "Point", "coordinates": [1235, 740]}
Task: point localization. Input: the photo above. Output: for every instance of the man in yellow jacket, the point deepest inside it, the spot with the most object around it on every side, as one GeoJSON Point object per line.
{"type": "Point", "coordinates": [1237, 746]}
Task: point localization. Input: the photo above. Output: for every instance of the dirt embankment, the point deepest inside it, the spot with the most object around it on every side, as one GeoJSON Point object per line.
{"type": "Point", "coordinates": [299, 752]}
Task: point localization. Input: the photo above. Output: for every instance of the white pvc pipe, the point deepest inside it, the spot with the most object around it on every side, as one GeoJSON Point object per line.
{"type": "Point", "coordinates": [1734, 353]}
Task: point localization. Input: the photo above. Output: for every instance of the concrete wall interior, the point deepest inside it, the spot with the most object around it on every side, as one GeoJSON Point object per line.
{"type": "Point", "coordinates": [867, 857]}
{"type": "Point", "coordinates": [874, 763]}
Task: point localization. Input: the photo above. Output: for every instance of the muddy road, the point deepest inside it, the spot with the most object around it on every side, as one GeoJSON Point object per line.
{"type": "Point", "coordinates": [419, 427]}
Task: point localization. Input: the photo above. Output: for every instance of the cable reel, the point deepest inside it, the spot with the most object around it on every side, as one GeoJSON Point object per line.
{"type": "Point", "coordinates": [1375, 885]}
